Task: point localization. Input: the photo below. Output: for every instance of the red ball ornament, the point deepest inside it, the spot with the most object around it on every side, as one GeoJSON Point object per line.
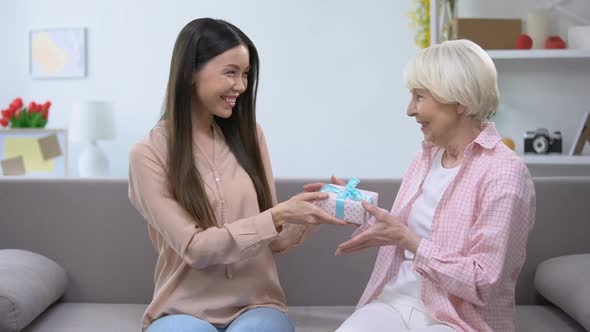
{"type": "Point", "coordinates": [524, 42]}
{"type": "Point", "coordinates": [554, 42]}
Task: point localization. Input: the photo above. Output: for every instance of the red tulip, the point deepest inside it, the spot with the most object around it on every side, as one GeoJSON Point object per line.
{"type": "Point", "coordinates": [14, 108]}
{"type": "Point", "coordinates": [8, 113]}
{"type": "Point", "coordinates": [17, 103]}
{"type": "Point", "coordinates": [4, 122]}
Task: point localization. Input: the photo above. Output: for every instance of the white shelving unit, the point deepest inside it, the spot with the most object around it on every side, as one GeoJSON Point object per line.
{"type": "Point", "coordinates": [507, 54]}
{"type": "Point", "coordinates": [566, 54]}
{"type": "Point", "coordinates": [555, 159]}
{"type": "Point", "coordinates": [539, 54]}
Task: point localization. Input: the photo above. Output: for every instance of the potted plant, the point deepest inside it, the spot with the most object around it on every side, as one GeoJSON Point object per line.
{"type": "Point", "coordinates": [33, 116]}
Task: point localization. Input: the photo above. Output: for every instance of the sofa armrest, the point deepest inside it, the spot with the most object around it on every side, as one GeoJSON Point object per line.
{"type": "Point", "coordinates": [29, 283]}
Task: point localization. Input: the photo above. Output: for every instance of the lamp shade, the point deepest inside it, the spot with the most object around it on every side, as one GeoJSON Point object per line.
{"type": "Point", "coordinates": [91, 121]}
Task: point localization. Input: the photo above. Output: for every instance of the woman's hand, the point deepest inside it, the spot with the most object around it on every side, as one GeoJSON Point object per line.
{"type": "Point", "coordinates": [386, 231]}
{"type": "Point", "coordinates": [311, 187]}
{"type": "Point", "coordinates": [301, 210]}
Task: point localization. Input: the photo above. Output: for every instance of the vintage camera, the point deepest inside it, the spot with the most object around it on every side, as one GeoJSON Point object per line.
{"type": "Point", "coordinates": [541, 141]}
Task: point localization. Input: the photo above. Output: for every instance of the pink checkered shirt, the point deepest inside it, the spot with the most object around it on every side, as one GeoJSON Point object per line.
{"type": "Point", "coordinates": [470, 262]}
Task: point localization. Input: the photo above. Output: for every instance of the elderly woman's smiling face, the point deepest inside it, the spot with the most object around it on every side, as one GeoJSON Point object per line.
{"type": "Point", "coordinates": [437, 120]}
{"type": "Point", "coordinates": [454, 89]}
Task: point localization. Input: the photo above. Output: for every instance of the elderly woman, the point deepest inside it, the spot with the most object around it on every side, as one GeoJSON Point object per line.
{"type": "Point", "coordinates": [454, 243]}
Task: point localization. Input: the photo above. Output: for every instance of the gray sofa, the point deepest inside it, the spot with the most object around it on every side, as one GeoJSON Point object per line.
{"type": "Point", "coordinates": [89, 228]}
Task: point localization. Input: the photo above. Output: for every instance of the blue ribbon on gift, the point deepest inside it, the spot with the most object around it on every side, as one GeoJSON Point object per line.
{"type": "Point", "coordinates": [349, 192]}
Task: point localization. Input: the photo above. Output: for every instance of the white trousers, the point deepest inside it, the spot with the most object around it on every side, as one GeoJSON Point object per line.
{"type": "Point", "coordinates": [380, 316]}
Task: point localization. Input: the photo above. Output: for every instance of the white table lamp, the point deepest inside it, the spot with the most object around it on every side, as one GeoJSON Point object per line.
{"type": "Point", "coordinates": [92, 121]}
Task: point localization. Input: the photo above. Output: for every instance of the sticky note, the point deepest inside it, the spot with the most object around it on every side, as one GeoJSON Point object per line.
{"type": "Point", "coordinates": [49, 146]}
{"type": "Point", "coordinates": [13, 166]}
{"type": "Point", "coordinates": [30, 151]}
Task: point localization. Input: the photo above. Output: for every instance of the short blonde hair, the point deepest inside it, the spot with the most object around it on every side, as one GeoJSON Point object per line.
{"type": "Point", "coordinates": [456, 71]}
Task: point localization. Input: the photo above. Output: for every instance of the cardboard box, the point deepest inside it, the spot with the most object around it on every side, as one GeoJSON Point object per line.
{"type": "Point", "coordinates": [490, 34]}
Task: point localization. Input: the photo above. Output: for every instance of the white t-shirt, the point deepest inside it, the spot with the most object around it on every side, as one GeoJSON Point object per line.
{"type": "Point", "coordinates": [406, 285]}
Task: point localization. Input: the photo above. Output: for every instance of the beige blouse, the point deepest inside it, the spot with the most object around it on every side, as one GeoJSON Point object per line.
{"type": "Point", "coordinates": [218, 273]}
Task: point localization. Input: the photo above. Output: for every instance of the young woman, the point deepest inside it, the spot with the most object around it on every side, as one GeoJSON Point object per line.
{"type": "Point", "coordinates": [202, 179]}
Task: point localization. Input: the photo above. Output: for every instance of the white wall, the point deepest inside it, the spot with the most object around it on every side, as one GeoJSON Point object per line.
{"type": "Point", "coordinates": [102, 74]}
{"type": "Point", "coordinates": [9, 80]}
{"type": "Point", "coordinates": [331, 95]}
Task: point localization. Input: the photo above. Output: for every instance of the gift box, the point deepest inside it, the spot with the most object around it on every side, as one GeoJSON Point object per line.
{"type": "Point", "coordinates": [345, 202]}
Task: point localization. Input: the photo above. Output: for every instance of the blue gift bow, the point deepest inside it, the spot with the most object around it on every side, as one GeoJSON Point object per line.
{"type": "Point", "coordinates": [349, 192]}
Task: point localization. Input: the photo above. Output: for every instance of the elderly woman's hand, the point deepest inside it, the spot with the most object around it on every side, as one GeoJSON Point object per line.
{"type": "Point", "coordinates": [311, 187]}
{"type": "Point", "coordinates": [386, 231]}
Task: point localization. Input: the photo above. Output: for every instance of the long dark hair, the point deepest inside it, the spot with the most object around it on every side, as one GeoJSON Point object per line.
{"type": "Point", "coordinates": [198, 42]}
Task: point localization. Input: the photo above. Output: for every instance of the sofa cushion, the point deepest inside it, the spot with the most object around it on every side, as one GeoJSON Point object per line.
{"type": "Point", "coordinates": [319, 318]}
{"type": "Point", "coordinates": [29, 283]}
{"type": "Point", "coordinates": [97, 317]}
{"type": "Point", "coordinates": [89, 317]}
{"type": "Point", "coordinates": [541, 318]}
{"type": "Point", "coordinates": [565, 281]}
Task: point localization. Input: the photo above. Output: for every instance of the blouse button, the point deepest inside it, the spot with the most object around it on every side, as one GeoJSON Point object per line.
{"type": "Point", "coordinates": [217, 179]}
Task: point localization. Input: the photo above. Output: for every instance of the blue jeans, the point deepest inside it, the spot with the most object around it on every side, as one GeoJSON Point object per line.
{"type": "Point", "coordinates": [261, 319]}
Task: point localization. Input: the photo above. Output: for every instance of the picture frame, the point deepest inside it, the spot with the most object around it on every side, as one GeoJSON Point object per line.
{"type": "Point", "coordinates": [58, 53]}
{"type": "Point", "coordinates": [582, 136]}
{"type": "Point", "coordinates": [34, 152]}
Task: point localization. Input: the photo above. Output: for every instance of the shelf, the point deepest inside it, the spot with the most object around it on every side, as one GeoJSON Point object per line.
{"type": "Point", "coordinates": [534, 159]}
{"type": "Point", "coordinates": [539, 54]}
